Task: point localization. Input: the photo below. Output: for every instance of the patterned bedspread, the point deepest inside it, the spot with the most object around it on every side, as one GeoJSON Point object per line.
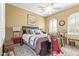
{"type": "Point", "coordinates": [34, 41]}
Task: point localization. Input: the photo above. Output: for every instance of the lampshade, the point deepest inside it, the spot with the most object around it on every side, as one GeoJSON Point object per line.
{"type": "Point", "coordinates": [16, 28]}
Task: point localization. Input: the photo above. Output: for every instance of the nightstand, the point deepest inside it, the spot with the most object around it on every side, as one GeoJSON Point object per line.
{"type": "Point", "coordinates": [17, 40]}
{"type": "Point", "coordinates": [17, 35]}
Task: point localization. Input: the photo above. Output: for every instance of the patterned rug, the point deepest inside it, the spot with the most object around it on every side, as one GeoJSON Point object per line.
{"type": "Point", "coordinates": [23, 50]}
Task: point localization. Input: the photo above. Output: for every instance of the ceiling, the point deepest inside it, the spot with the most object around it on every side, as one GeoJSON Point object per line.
{"type": "Point", "coordinates": [44, 9]}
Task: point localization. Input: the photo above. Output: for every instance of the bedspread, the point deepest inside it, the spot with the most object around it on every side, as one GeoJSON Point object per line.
{"type": "Point", "coordinates": [38, 44]}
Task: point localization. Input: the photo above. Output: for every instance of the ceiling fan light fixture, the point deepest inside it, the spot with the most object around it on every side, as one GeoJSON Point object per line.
{"type": "Point", "coordinates": [48, 8]}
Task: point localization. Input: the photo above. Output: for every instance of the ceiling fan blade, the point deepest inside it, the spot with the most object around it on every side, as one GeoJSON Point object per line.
{"type": "Point", "coordinates": [57, 8]}
{"type": "Point", "coordinates": [52, 4]}
{"type": "Point", "coordinates": [41, 7]}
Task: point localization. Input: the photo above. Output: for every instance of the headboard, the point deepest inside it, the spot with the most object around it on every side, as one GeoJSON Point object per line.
{"type": "Point", "coordinates": [25, 29]}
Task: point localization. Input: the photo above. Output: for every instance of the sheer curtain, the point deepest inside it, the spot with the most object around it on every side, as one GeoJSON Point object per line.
{"type": "Point", "coordinates": [53, 26]}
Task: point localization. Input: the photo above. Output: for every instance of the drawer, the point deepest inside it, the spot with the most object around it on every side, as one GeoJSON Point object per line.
{"type": "Point", "coordinates": [16, 40]}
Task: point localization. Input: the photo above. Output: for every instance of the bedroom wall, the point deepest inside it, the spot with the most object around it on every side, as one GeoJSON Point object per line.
{"type": "Point", "coordinates": [18, 17]}
{"type": "Point", "coordinates": [63, 15]}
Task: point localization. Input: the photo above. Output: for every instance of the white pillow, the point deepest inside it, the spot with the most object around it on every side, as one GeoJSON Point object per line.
{"type": "Point", "coordinates": [26, 37]}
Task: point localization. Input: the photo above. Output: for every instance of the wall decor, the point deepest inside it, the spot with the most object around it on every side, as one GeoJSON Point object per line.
{"type": "Point", "coordinates": [31, 20]}
{"type": "Point", "coordinates": [61, 22]}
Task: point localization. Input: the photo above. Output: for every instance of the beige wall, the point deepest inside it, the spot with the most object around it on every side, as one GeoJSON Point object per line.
{"type": "Point", "coordinates": [18, 17]}
{"type": "Point", "coordinates": [63, 16]}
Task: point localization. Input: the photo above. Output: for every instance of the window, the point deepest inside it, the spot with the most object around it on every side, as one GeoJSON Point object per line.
{"type": "Point", "coordinates": [53, 26]}
{"type": "Point", "coordinates": [73, 24]}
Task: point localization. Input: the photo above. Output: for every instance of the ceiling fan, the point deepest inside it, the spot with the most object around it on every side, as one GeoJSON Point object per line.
{"type": "Point", "coordinates": [48, 8]}
{"type": "Point", "coordinates": [44, 8]}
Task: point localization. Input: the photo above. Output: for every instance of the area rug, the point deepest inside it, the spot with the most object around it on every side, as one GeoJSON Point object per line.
{"type": "Point", "coordinates": [23, 50]}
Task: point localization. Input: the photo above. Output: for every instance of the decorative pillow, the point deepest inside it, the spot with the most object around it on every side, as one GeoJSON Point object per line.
{"type": "Point", "coordinates": [36, 31]}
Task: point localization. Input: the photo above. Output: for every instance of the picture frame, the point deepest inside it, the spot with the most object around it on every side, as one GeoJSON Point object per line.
{"type": "Point", "coordinates": [31, 20]}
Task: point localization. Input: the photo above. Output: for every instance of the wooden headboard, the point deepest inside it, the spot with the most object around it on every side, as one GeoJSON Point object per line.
{"type": "Point", "coordinates": [24, 28]}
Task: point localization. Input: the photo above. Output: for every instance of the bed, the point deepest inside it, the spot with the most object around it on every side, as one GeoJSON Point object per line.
{"type": "Point", "coordinates": [35, 39]}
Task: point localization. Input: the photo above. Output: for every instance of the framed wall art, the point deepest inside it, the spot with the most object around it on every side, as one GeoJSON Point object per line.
{"type": "Point", "coordinates": [31, 20]}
